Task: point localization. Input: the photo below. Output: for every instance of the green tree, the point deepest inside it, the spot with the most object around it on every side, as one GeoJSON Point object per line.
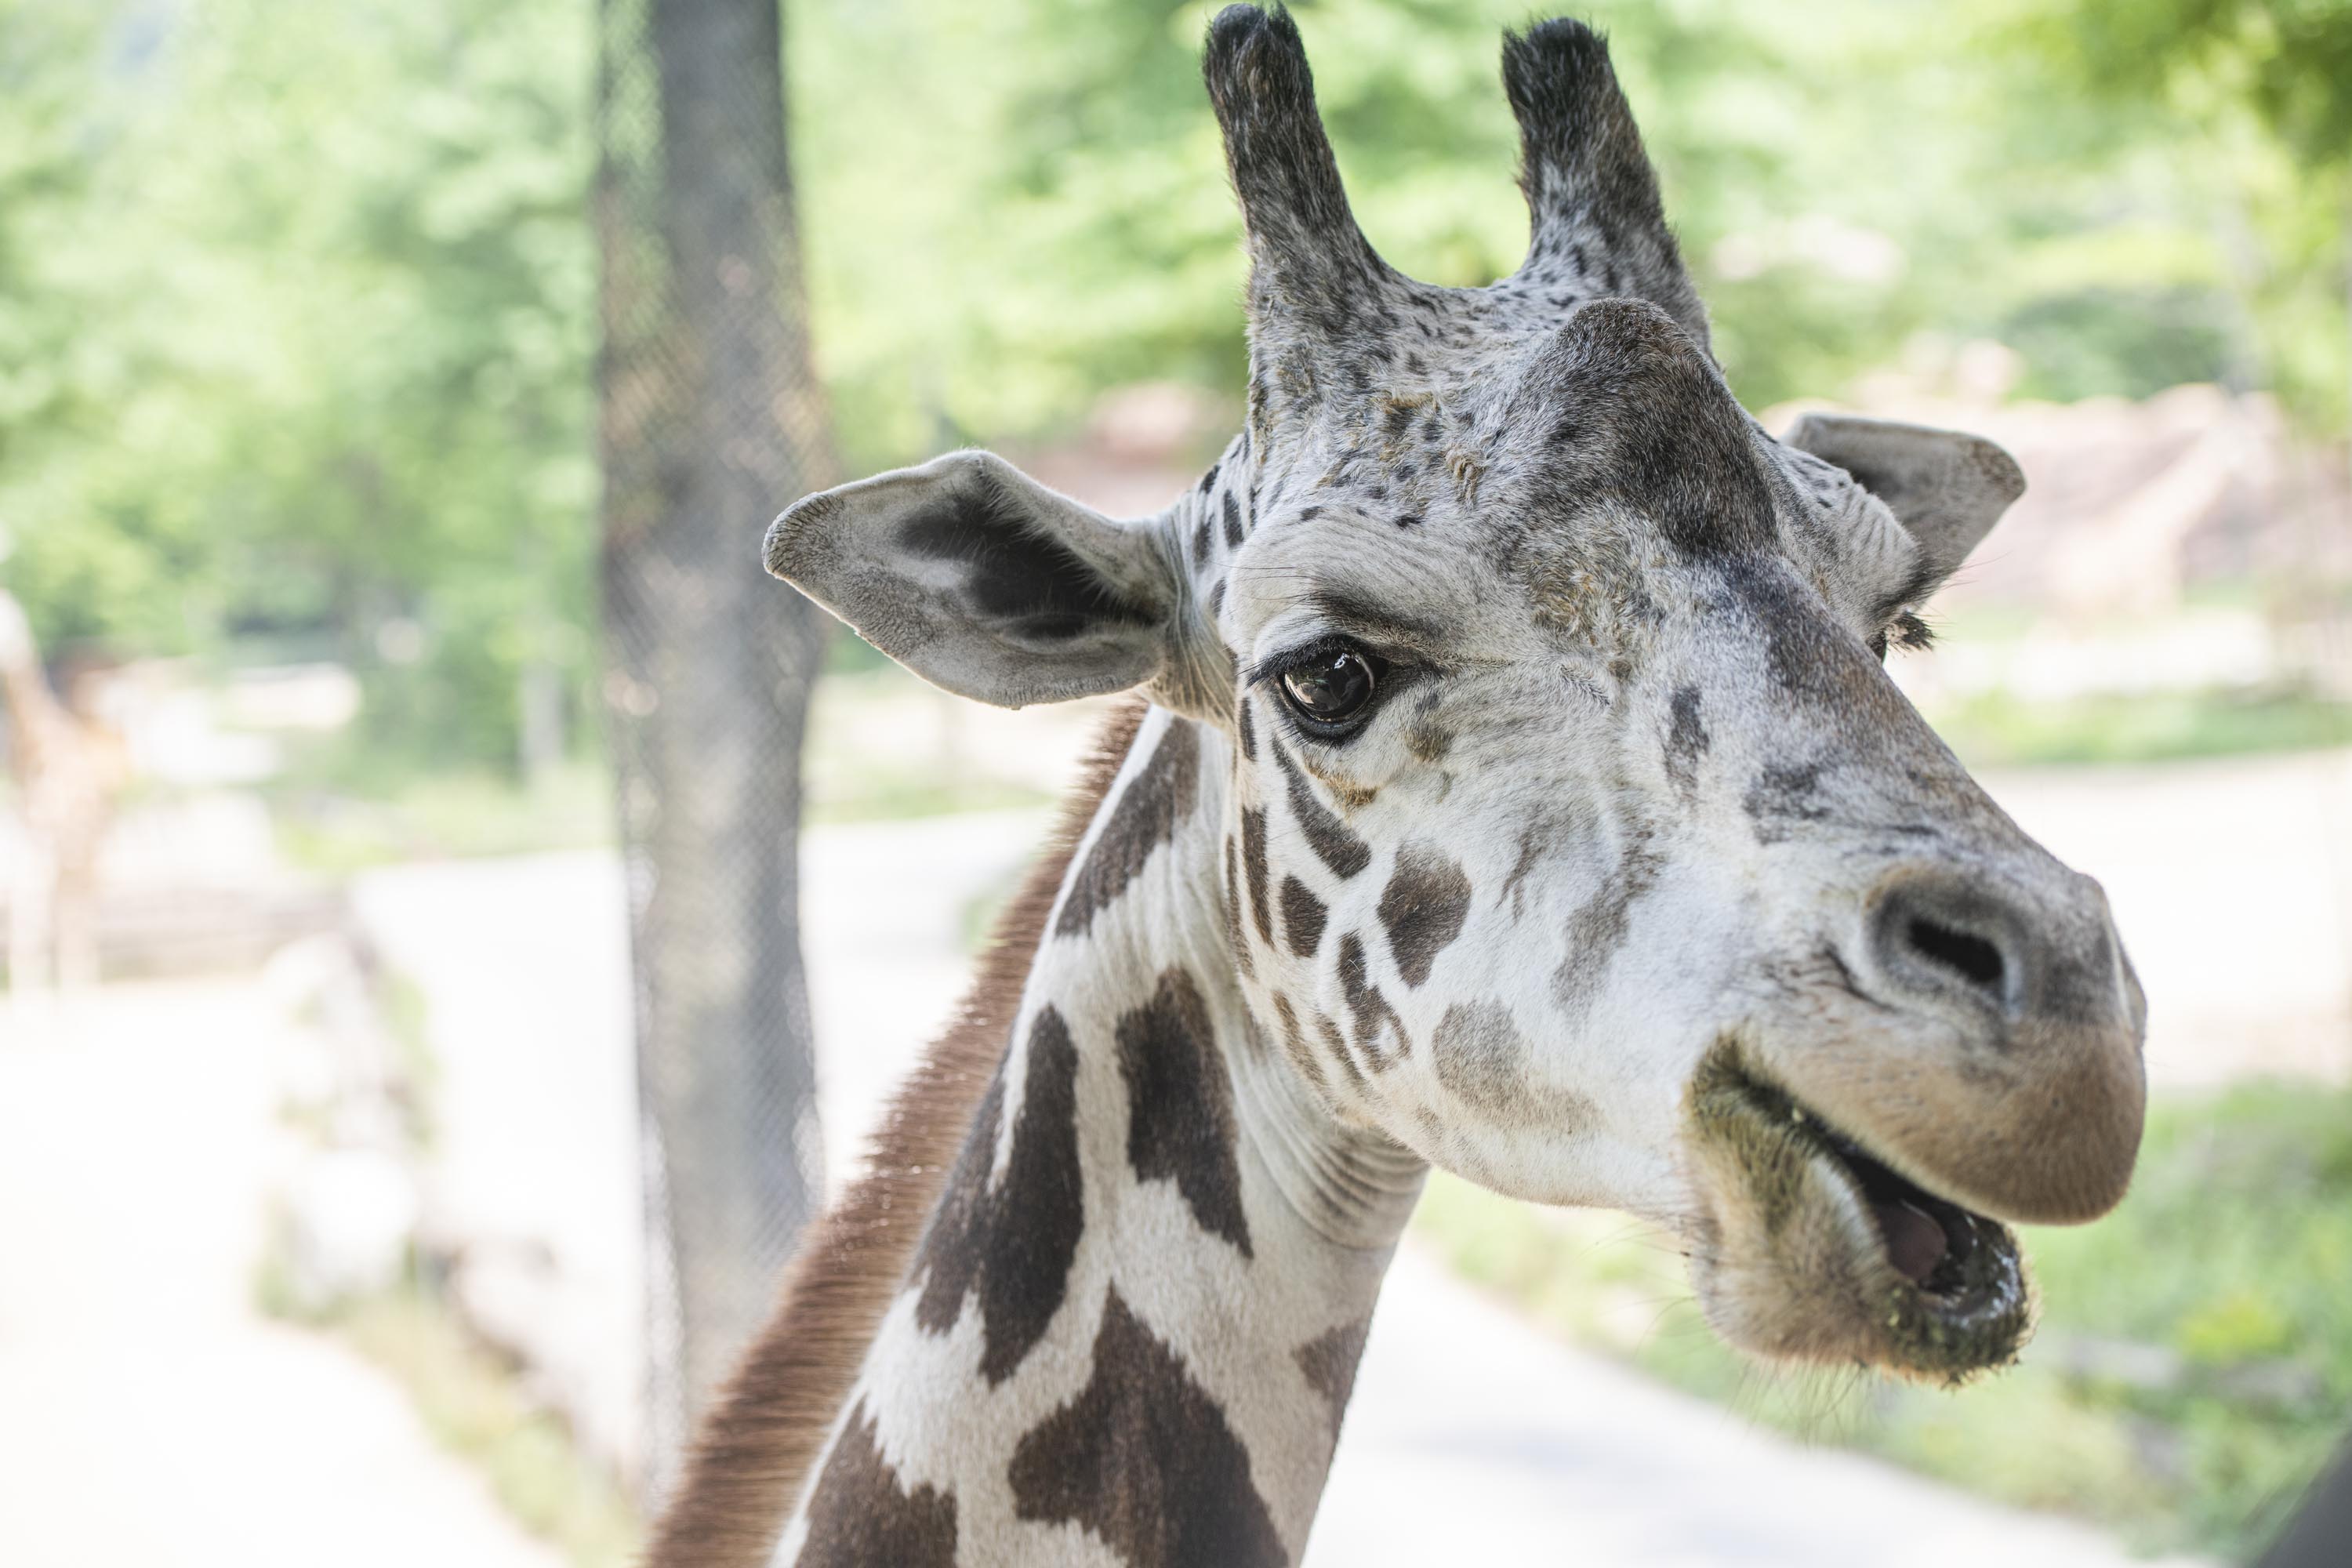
{"type": "Point", "coordinates": [327, 347]}
{"type": "Point", "coordinates": [2265, 88]}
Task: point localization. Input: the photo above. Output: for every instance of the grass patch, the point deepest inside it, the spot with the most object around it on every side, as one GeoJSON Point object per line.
{"type": "Point", "coordinates": [1998, 728]}
{"type": "Point", "coordinates": [2192, 1373]}
{"type": "Point", "coordinates": [472, 1403]}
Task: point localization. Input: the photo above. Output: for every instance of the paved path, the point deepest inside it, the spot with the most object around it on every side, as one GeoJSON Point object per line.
{"type": "Point", "coordinates": [147, 1416]}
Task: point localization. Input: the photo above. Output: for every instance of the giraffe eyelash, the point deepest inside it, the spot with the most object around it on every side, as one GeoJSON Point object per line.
{"type": "Point", "coordinates": [1910, 631]}
{"type": "Point", "coordinates": [1907, 631]}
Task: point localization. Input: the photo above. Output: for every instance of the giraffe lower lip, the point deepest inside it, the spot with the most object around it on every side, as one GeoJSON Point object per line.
{"type": "Point", "coordinates": [1956, 1287]}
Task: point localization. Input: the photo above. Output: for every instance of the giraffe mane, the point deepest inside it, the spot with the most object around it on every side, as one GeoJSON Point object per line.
{"type": "Point", "coordinates": [767, 1423]}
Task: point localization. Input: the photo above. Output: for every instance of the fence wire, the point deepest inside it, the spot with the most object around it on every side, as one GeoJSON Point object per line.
{"type": "Point", "coordinates": [710, 423]}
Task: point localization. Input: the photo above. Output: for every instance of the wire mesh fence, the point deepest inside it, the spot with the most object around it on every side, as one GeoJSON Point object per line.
{"type": "Point", "coordinates": [711, 421]}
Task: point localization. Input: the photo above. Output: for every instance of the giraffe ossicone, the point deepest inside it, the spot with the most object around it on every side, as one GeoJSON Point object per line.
{"type": "Point", "coordinates": [1516, 789]}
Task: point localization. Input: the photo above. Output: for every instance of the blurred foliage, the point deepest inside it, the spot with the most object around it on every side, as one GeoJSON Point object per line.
{"type": "Point", "coordinates": [2000, 729]}
{"type": "Point", "coordinates": [321, 308]}
{"type": "Point", "coordinates": [296, 304]}
{"type": "Point", "coordinates": [2189, 1377]}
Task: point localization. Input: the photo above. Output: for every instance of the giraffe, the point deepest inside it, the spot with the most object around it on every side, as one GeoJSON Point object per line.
{"type": "Point", "coordinates": [67, 771]}
{"type": "Point", "coordinates": [1511, 785]}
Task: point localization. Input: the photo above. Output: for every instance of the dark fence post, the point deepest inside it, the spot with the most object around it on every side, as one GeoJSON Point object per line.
{"type": "Point", "coordinates": [710, 423]}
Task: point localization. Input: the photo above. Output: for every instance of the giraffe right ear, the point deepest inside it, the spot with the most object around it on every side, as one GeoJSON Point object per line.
{"type": "Point", "coordinates": [983, 581]}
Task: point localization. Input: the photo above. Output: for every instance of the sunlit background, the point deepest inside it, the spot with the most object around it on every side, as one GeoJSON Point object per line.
{"type": "Point", "coordinates": [318, 1160]}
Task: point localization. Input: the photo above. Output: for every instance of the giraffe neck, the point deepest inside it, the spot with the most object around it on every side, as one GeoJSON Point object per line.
{"type": "Point", "coordinates": [1132, 1323]}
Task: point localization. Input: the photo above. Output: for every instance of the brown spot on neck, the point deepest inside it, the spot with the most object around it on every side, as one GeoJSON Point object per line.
{"type": "Point", "coordinates": [1329, 1361]}
{"type": "Point", "coordinates": [1179, 1121]}
{"type": "Point", "coordinates": [1012, 1241]}
{"type": "Point", "coordinates": [1151, 807]}
{"type": "Point", "coordinates": [861, 1514]}
{"type": "Point", "coordinates": [1145, 1461]}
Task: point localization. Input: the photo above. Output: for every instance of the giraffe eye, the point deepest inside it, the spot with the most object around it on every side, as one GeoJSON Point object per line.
{"type": "Point", "coordinates": [1330, 685]}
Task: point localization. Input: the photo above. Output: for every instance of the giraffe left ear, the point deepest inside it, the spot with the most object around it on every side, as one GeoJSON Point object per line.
{"type": "Point", "coordinates": [984, 582]}
{"type": "Point", "coordinates": [1945, 487]}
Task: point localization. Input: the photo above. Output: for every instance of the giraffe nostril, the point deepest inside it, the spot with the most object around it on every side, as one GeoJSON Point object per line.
{"type": "Point", "coordinates": [1938, 936]}
{"type": "Point", "coordinates": [1968, 955]}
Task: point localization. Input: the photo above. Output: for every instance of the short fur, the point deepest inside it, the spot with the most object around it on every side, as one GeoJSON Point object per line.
{"type": "Point", "coordinates": [767, 1425]}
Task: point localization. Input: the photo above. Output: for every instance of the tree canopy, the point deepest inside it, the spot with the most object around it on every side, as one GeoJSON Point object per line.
{"type": "Point", "coordinates": [297, 303]}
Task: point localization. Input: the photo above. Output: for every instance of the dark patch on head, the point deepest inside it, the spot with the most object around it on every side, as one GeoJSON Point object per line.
{"type": "Point", "coordinates": [1180, 1108]}
{"type": "Point", "coordinates": [1155, 802]}
{"type": "Point", "coordinates": [1302, 917]}
{"type": "Point", "coordinates": [1351, 795]}
{"type": "Point", "coordinates": [1371, 1010]}
{"type": "Point", "coordinates": [1336, 1045]}
{"type": "Point", "coordinates": [859, 1515]}
{"type": "Point", "coordinates": [1481, 1056]}
{"type": "Point", "coordinates": [1234, 938]}
{"type": "Point", "coordinates": [1687, 741]}
{"type": "Point", "coordinates": [1535, 839]}
{"type": "Point", "coordinates": [1014, 1241]}
{"type": "Point", "coordinates": [1328, 1362]}
{"type": "Point", "coordinates": [1242, 721]}
{"type": "Point", "coordinates": [1232, 509]}
{"type": "Point", "coordinates": [1782, 795]}
{"type": "Point", "coordinates": [1294, 1044]}
{"type": "Point", "coordinates": [1252, 1036]}
{"type": "Point", "coordinates": [1425, 737]}
{"type": "Point", "coordinates": [1599, 926]}
{"type": "Point", "coordinates": [1813, 658]}
{"type": "Point", "coordinates": [1253, 867]}
{"type": "Point", "coordinates": [1333, 841]}
{"type": "Point", "coordinates": [1026, 581]}
{"type": "Point", "coordinates": [1636, 414]}
{"type": "Point", "coordinates": [1143, 1460]}
{"type": "Point", "coordinates": [1423, 907]}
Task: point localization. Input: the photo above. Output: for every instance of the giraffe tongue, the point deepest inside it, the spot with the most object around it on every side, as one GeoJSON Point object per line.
{"type": "Point", "coordinates": [1916, 1243]}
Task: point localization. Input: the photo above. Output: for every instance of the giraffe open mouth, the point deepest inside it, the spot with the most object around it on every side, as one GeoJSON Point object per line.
{"type": "Point", "coordinates": [1819, 1250]}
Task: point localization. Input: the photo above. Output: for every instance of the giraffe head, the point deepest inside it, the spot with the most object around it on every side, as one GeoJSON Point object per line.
{"type": "Point", "coordinates": [1578, 839]}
